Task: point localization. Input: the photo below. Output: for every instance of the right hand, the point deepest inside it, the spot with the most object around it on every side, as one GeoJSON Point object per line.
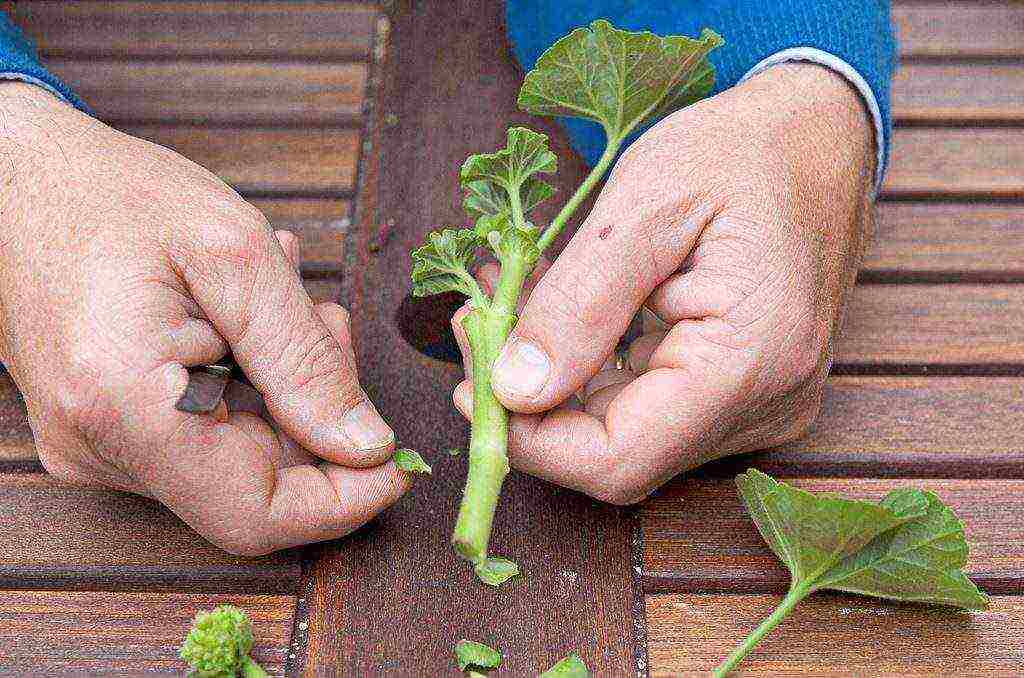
{"type": "Point", "coordinates": [121, 264]}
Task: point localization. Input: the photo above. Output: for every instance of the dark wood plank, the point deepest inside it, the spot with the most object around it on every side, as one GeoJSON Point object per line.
{"type": "Point", "coordinates": [320, 225]}
{"type": "Point", "coordinates": [698, 537]}
{"type": "Point", "coordinates": [948, 237]}
{"type": "Point", "coordinates": [56, 536]}
{"type": "Point", "coordinates": [933, 324]}
{"type": "Point", "coordinates": [62, 633]}
{"type": "Point", "coordinates": [322, 290]}
{"type": "Point", "coordinates": [946, 427]}
{"type": "Point", "coordinates": [938, 93]}
{"type": "Point", "coordinates": [974, 162]}
{"type": "Point", "coordinates": [218, 93]}
{"type": "Point", "coordinates": [833, 635]}
{"type": "Point", "coordinates": [316, 161]}
{"type": "Point", "coordinates": [162, 29]}
{"type": "Point", "coordinates": [373, 596]}
{"type": "Point", "coordinates": [940, 28]}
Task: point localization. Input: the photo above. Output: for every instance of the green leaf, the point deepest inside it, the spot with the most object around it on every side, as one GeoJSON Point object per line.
{"type": "Point", "coordinates": [496, 571]}
{"type": "Point", "coordinates": [469, 653]}
{"type": "Point", "coordinates": [442, 265]}
{"type": "Point", "coordinates": [491, 180]}
{"type": "Point", "coordinates": [570, 667]}
{"type": "Point", "coordinates": [411, 461]}
{"type": "Point", "coordinates": [815, 532]}
{"type": "Point", "coordinates": [919, 562]}
{"type": "Point", "coordinates": [618, 78]}
{"type": "Point", "coordinates": [507, 241]}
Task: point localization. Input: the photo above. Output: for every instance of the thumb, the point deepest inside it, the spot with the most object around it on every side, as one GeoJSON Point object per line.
{"type": "Point", "coordinates": [585, 302]}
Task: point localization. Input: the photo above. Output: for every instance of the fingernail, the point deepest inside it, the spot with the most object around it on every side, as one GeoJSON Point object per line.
{"type": "Point", "coordinates": [463, 399]}
{"type": "Point", "coordinates": [366, 429]}
{"type": "Point", "coordinates": [522, 369]}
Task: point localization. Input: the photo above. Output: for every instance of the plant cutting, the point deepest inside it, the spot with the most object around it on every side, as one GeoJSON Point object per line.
{"type": "Point", "coordinates": [219, 643]}
{"type": "Point", "coordinates": [617, 79]}
{"type": "Point", "coordinates": [908, 547]}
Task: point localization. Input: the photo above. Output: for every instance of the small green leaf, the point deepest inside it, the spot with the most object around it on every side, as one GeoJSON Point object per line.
{"type": "Point", "coordinates": [442, 265]}
{"type": "Point", "coordinates": [491, 180]}
{"type": "Point", "coordinates": [475, 674]}
{"type": "Point", "coordinates": [619, 78]}
{"type": "Point", "coordinates": [411, 461]}
{"type": "Point", "coordinates": [484, 198]}
{"type": "Point", "coordinates": [570, 667]}
{"type": "Point", "coordinates": [496, 571]}
{"type": "Point", "coordinates": [469, 653]}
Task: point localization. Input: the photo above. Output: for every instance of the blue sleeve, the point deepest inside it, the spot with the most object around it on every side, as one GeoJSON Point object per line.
{"type": "Point", "coordinates": [18, 61]}
{"type": "Point", "coordinates": [858, 33]}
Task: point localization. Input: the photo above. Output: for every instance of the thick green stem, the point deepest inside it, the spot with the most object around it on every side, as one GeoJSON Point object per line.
{"type": "Point", "coordinates": [596, 174]}
{"type": "Point", "coordinates": [487, 329]}
{"type": "Point", "coordinates": [251, 669]}
{"type": "Point", "coordinates": [796, 593]}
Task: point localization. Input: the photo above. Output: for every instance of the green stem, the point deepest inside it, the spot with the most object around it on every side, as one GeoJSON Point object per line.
{"type": "Point", "coordinates": [251, 669]}
{"type": "Point", "coordinates": [596, 174]}
{"type": "Point", "coordinates": [796, 594]}
{"type": "Point", "coordinates": [487, 329]}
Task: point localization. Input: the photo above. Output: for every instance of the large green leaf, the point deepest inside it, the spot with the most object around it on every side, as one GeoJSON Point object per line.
{"type": "Point", "coordinates": [920, 561]}
{"type": "Point", "coordinates": [619, 78]}
{"type": "Point", "coordinates": [907, 547]}
{"type": "Point", "coordinates": [491, 179]}
{"type": "Point", "coordinates": [442, 264]}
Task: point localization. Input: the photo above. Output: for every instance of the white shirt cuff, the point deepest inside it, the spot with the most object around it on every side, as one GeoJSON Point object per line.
{"type": "Point", "coordinates": [824, 58]}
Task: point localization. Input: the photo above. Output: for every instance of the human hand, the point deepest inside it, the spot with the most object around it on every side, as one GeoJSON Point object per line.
{"type": "Point", "coordinates": [122, 263]}
{"type": "Point", "coordinates": [739, 221]}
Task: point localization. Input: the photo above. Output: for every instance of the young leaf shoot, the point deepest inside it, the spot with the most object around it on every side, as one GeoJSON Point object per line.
{"type": "Point", "coordinates": [218, 644]}
{"type": "Point", "coordinates": [908, 547]}
{"type": "Point", "coordinates": [617, 79]}
{"type": "Point", "coordinates": [411, 461]}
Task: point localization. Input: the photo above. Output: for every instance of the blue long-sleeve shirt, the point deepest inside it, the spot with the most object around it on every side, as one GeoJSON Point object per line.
{"type": "Point", "coordinates": [854, 38]}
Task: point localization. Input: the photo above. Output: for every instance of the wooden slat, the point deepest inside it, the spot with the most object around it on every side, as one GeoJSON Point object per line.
{"type": "Point", "coordinates": [959, 92]}
{"type": "Point", "coordinates": [698, 537]}
{"type": "Point", "coordinates": [161, 29]}
{"type": "Point", "coordinates": [321, 161]}
{"type": "Point", "coordinates": [833, 635]}
{"type": "Point", "coordinates": [62, 633]}
{"type": "Point", "coordinates": [934, 324]}
{"type": "Point", "coordinates": [939, 28]}
{"type": "Point", "coordinates": [212, 92]}
{"type": "Point", "coordinates": [950, 427]}
{"type": "Point", "coordinates": [320, 224]}
{"type": "Point", "coordinates": [948, 237]}
{"type": "Point", "coordinates": [55, 536]}
{"type": "Point", "coordinates": [976, 162]}
{"type": "Point", "coordinates": [367, 590]}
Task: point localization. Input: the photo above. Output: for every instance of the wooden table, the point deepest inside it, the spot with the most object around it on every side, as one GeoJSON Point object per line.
{"type": "Point", "coordinates": [344, 122]}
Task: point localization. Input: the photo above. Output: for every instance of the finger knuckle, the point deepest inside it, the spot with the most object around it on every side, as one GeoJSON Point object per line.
{"type": "Point", "coordinates": [247, 541]}
{"type": "Point", "coordinates": [317, 360]}
{"type": "Point", "coordinates": [240, 243]}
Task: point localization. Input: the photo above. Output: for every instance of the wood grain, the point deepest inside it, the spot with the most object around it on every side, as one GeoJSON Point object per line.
{"type": "Point", "coordinates": [948, 237]}
{"type": "Point", "coordinates": [401, 575]}
{"type": "Point", "coordinates": [62, 633]}
{"type": "Point", "coordinates": [943, 92]}
{"type": "Point", "coordinates": [324, 30]}
{"type": "Point", "coordinates": [698, 537]}
{"type": "Point", "coordinates": [320, 224]}
{"type": "Point", "coordinates": [835, 635]}
{"type": "Point", "coordinates": [974, 162]}
{"type": "Point", "coordinates": [217, 93]}
{"type": "Point", "coordinates": [939, 28]}
{"type": "Point", "coordinates": [56, 536]}
{"type": "Point", "coordinates": [933, 324]}
{"type": "Point", "coordinates": [267, 161]}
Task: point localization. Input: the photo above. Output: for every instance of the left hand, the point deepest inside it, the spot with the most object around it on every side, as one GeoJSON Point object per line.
{"type": "Point", "coordinates": [739, 221]}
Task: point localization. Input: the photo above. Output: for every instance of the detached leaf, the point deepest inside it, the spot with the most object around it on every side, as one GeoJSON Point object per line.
{"type": "Point", "coordinates": [491, 179]}
{"type": "Point", "coordinates": [570, 667]}
{"type": "Point", "coordinates": [496, 571]}
{"type": "Point", "coordinates": [411, 461]}
{"type": "Point", "coordinates": [919, 562]}
{"type": "Point", "coordinates": [619, 78]}
{"type": "Point", "coordinates": [442, 264]}
{"type": "Point", "coordinates": [469, 653]}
